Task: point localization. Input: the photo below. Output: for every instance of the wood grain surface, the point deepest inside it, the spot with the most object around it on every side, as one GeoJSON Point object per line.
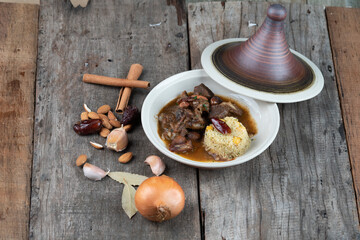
{"type": "Point", "coordinates": [339, 3]}
{"type": "Point", "coordinates": [301, 187]}
{"type": "Point", "coordinates": [346, 55]}
{"type": "Point", "coordinates": [104, 38]}
{"type": "Point", "coordinates": [18, 48]}
{"type": "Point", "coordinates": [22, 1]}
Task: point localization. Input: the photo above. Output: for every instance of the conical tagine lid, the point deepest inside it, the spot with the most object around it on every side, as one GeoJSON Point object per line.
{"type": "Point", "coordinates": [263, 67]}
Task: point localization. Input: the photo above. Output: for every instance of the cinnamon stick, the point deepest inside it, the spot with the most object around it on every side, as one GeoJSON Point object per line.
{"type": "Point", "coordinates": [117, 82]}
{"type": "Point", "coordinates": [124, 95]}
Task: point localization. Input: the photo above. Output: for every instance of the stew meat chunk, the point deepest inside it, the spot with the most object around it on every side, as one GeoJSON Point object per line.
{"type": "Point", "coordinates": [182, 122]}
{"type": "Point", "coordinates": [224, 109]}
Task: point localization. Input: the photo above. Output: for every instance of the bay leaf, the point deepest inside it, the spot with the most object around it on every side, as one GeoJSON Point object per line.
{"type": "Point", "coordinates": [128, 199]}
{"type": "Point", "coordinates": [132, 179]}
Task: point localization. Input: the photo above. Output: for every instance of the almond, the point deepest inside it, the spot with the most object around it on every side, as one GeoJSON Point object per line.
{"type": "Point", "coordinates": [111, 115]}
{"type": "Point", "coordinates": [87, 109]}
{"type": "Point", "coordinates": [126, 157]}
{"type": "Point", "coordinates": [102, 116]}
{"type": "Point", "coordinates": [84, 116]}
{"type": "Point", "coordinates": [96, 145]}
{"type": "Point", "coordinates": [93, 115]}
{"type": "Point", "coordinates": [103, 109]}
{"type": "Point", "coordinates": [81, 160]}
{"type": "Point", "coordinates": [127, 127]}
{"type": "Point", "coordinates": [104, 132]}
{"type": "Point", "coordinates": [106, 123]}
{"type": "Point", "coordinates": [115, 123]}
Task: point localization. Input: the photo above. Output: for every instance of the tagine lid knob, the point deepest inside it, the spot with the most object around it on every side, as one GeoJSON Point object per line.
{"type": "Point", "coordinates": [263, 66]}
{"type": "Point", "coordinates": [277, 12]}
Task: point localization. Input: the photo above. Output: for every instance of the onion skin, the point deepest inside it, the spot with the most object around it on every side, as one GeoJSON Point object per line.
{"type": "Point", "coordinates": [159, 198]}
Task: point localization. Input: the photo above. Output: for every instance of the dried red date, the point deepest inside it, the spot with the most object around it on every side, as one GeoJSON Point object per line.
{"type": "Point", "coordinates": [87, 127]}
{"type": "Point", "coordinates": [220, 125]}
{"type": "Point", "coordinates": [130, 115]}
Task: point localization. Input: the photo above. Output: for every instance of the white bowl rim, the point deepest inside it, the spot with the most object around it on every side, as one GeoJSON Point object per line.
{"type": "Point", "coordinates": [195, 74]}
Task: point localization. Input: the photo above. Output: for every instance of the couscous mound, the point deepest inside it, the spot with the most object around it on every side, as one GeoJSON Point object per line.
{"type": "Point", "coordinates": [227, 146]}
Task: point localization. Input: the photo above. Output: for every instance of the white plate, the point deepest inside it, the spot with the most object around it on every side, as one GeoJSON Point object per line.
{"type": "Point", "coordinates": [265, 114]}
{"type": "Point", "coordinates": [309, 92]}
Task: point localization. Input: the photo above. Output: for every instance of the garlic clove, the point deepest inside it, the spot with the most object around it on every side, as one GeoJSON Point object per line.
{"type": "Point", "coordinates": [117, 140]}
{"type": "Point", "coordinates": [93, 172]}
{"type": "Point", "coordinates": [156, 164]}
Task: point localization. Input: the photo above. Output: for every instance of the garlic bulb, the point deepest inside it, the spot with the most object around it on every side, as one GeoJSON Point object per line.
{"type": "Point", "coordinates": [93, 172]}
{"type": "Point", "coordinates": [156, 164]}
{"type": "Point", "coordinates": [117, 140]}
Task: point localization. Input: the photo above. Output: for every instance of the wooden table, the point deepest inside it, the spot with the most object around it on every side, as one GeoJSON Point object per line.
{"type": "Point", "coordinates": [305, 186]}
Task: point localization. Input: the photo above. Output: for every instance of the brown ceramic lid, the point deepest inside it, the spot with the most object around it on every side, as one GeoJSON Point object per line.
{"type": "Point", "coordinates": [264, 63]}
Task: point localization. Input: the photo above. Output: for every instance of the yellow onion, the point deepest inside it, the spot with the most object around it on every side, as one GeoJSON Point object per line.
{"type": "Point", "coordinates": [159, 198]}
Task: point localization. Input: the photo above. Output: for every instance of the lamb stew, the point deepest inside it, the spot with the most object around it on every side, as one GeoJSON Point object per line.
{"type": "Point", "coordinates": [182, 122]}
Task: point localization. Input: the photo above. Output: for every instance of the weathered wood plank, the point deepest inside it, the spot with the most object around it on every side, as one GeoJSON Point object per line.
{"type": "Point", "coordinates": [18, 48]}
{"type": "Point", "coordinates": [346, 55]}
{"type": "Point", "coordinates": [339, 3]}
{"type": "Point", "coordinates": [283, 1]}
{"type": "Point", "coordinates": [105, 38]}
{"type": "Point", "coordinates": [301, 187]}
{"type": "Point", "coordinates": [22, 1]}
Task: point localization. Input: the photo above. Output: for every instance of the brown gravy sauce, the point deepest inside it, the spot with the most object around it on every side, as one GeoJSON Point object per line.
{"type": "Point", "coordinates": [199, 154]}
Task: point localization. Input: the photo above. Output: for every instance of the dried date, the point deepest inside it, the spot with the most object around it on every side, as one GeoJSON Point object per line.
{"type": "Point", "coordinates": [220, 125]}
{"type": "Point", "coordinates": [130, 115]}
{"type": "Point", "coordinates": [87, 127]}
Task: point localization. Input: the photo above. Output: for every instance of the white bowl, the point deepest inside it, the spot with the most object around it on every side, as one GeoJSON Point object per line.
{"type": "Point", "coordinates": [266, 115]}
